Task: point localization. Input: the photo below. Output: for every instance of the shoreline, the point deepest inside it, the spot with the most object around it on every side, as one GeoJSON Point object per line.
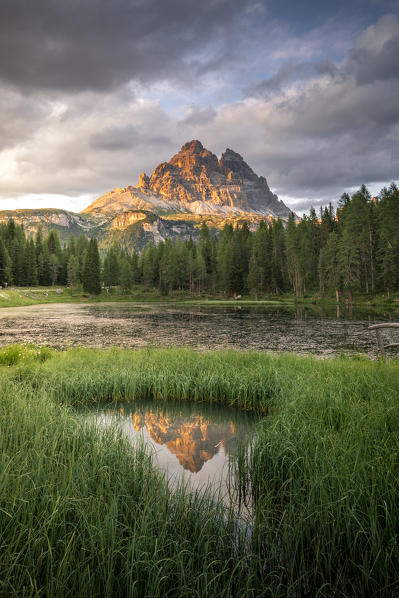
{"type": "Point", "coordinates": [25, 296]}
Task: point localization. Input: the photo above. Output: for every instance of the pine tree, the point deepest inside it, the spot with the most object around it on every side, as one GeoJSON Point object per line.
{"type": "Point", "coordinates": [278, 257]}
{"type": "Point", "coordinates": [293, 263]}
{"type": "Point", "coordinates": [200, 271]}
{"type": "Point", "coordinates": [254, 274]}
{"type": "Point", "coordinates": [126, 275]}
{"type": "Point", "coordinates": [44, 273]}
{"type": "Point", "coordinates": [31, 264]}
{"type": "Point", "coordinates": [18, 247]}
{"type": "Point", "coordinates": [81, 249]}
{"type": "Point", "coordinates": [387, 253]}
{"type": "Point", "coordinates": [39, 243]}
{"type": "Point", "coordinates": [5, 265]}
{"type": "Point", "coordinates": [150, 265]}
{"type": "Point", "coordinates": [224, 258]}
{"type": "Point", "coordinates": [237, 266]}
{"type": "Point", "coordinates": [329, 272]}
{"type": "Point", "coordinates": [73, 271]}
{"type": "Point", "coordinates": [135, 268]}
{"type": "Point", "coordinates": [54, 244]}
{"type": "Point", "coordinates": [92, 269]}
{"type": "Point", "coordinates": [54, 268]}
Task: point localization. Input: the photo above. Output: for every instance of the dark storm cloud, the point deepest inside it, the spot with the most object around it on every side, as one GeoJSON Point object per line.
{"type": "Point", "coordinates": [290, 72]}
{"type": "Point", "coordinates": [19, 117]}
{"type": "Point", "coordinates": [199, 116]}
{"type": "Point", "coordinates": [122, 138]}
{"type": "Point", "coordinates": [335, 124]}
{"type": "Point", "coordinates": [373, 58]}
{"type": "Point", "coordinates": [376, 56]}
{"type": "Point", "coordinates": [76, 119]}
{"type": "Point", "coordinates": [97, 44]}
{"type": "Point", "coordinates": [115, 138]}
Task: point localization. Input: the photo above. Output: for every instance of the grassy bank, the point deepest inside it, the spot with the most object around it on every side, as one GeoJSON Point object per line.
{"type": "Point", "coordinates": [19, 297]}
{"type": "Point", "coordinates": [82, 510]}
{"type": "Point", "coordinates": [83, 514]}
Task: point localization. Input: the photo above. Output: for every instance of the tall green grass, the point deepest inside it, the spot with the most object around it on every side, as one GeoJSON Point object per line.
{"type": "Point", "coordinates": [85, 513]}
{"type": "Point", "coordinates": [323, 473]}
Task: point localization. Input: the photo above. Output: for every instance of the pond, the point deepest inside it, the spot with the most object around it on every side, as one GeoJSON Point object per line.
{"type": "Point", "coordinates": [192, 443]}
{"type": "Point", "coordinates": [266, 328]}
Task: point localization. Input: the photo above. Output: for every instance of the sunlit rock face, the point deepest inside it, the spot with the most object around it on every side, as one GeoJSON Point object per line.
{"type": "Point", "coordinates": [194, 441]}
{"type": "Point", "coordinates": [193, 187]}
{"type": "Point", "coordinates": [195, 181]}
{"type": "Point", "coordinates": [127, 218]}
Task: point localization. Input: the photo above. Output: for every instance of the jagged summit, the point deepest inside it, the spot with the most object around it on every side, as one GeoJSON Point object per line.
{"type": "Point", "coordinates": [195, 181]}
{"type": "Point", "coordinates": [233, 162]}
{"type": "Point", "coordinates": [192, 147]}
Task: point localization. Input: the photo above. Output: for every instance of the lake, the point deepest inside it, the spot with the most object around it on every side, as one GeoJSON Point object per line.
{"type": "Point", "coordinates": [266, 328]}
{"type": "Point", "coordinates": [191, 443]}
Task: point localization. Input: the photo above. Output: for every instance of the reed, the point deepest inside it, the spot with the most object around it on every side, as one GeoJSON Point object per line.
{"type": "Point", "coordinates": [85, 513]}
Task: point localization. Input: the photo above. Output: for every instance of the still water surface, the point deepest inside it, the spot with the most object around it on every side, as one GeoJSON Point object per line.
{"type": "Point", "coordinates": [270, 328]}
{"type": "Point", "coordinates": [192, 443]}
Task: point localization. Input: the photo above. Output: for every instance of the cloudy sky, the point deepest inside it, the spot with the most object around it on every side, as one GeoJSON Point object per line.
{"type": "Point", "coordinates": [93, 92]}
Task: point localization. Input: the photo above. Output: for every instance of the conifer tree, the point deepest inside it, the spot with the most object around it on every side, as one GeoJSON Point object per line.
{"type": "Point", "coordinates": [254, 275]}
{"type": "Point", "coordinates": [135, 268]}
{"type": "Point", "coordinates": [92, 269]}
{"type": "Point", "coordinates": [278, 257]}
{"type": "Point", "coordinates": [5, 265]}
{"type": "Point", "coordinates": [150, 263]}
{"type": "Point", "coordinates": [293, 263]}
{"type": "Point", "coordinates": [31, 264]}
{"type": "Point", "coordinates": [126, 275]}
{"type": "Point", "coordinates": [224, 258]}
{"type": "Point", "coordinates": [39, 243]}
{"type": "Point", "coordinates": [44, 273]}
{"type": "Point", "coordinates": [73, 271]}
{"type": "Point", "coordinates": [81, 248]}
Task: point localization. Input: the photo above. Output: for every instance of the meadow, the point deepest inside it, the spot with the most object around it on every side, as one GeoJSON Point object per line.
{"type": "Point", "coordinates": [83, 512]}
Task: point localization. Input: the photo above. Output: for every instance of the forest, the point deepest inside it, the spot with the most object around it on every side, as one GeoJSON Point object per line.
{"type": "Point", "coordinates": [353, 249]}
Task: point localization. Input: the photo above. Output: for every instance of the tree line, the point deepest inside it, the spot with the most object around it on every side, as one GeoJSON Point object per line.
{"type": "Point", "coordinates": [42, 260]}
{"type": "Point", "coordinates": [354, 248]}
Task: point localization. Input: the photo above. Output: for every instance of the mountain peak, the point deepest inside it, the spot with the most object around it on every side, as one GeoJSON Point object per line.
{"type": "Point", "coordinates": [234, 163]}
{"type": "Point", "coordinates": [195, 181]}
{"type": "Point", "coordinates": [143, 183]}
{"type": "Point", "coordinates": [231, 155]}
{"type": "Point", "coordinates": [192, 147]}
{"type": "Point", "coordinates": [193, 157]}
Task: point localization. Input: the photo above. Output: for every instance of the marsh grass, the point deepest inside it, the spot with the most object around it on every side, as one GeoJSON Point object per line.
{"type": "Point", "coordinates": [85, 513]}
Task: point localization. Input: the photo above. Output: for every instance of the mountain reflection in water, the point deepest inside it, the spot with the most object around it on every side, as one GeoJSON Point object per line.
{"type": "Point", "coordinates": [188, 442]}
{"type": "Point", "coordinates": [194, 441]}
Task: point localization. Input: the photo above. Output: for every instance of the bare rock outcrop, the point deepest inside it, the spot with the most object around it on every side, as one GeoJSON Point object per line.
{"type": "Point", "coordinates": [195, 181]}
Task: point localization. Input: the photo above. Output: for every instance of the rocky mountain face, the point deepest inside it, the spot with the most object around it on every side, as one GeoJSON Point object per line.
{"type": "Point", "coordinates": [193, 187]}
{"type": "Point", "coordinates": [67, 223]}
{"type": "Point", "coordinates": [195, 181]}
